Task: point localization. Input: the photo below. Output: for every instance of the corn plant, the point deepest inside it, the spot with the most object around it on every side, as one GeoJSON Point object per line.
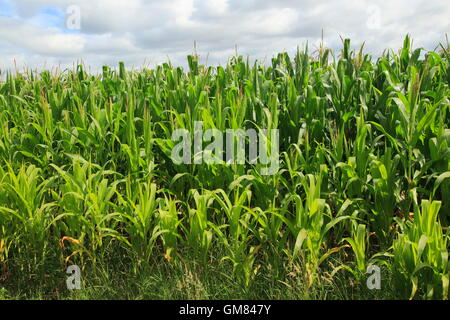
{"type": "Point", "coordinates": [169, 222]}
{"type": "Point", "coordinates": [363, 172]}
{"type": "Point", "coordinates": [421, 253]}
{"type": "Point", "coordinates": [28, 212]}
{"type": "Point", "coordinates": [138, 213]}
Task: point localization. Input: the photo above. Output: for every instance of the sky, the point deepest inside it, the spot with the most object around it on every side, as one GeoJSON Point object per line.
{"type": "Point", "coordinates": [49, 33]}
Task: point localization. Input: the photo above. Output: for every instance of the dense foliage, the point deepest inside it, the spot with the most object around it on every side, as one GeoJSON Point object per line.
{"type": "Point", "coordinates": [364, 165]}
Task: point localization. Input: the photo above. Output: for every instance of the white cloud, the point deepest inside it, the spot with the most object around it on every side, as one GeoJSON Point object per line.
{"type": "Point", "coordinates": [152, 30]}
{"type": "Point", "coordinates": [45, 41]}
{"type": "Point", "coordinates": [217, 7]}
{"type": "Point", "coordinates": [277, 21]}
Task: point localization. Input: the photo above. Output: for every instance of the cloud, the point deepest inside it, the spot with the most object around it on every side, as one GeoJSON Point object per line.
{"type": "Point", "coordinates": [48, 41]}
{"type": "Point", "coordinates": [34, 31]}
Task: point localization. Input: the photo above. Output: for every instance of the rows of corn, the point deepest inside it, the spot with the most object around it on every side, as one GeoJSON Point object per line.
{"type": "Point", "coordinates": [85, 164]}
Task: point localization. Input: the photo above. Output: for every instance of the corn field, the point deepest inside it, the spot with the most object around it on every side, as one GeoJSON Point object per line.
{"type": "Point", "coordinates": [364, 176]}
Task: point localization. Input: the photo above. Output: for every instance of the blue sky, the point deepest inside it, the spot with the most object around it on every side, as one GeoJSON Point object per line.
{"type": "Point", "coordinates": [35, 33]}
{"type": "Point", "coordinates": [6, 8]}
{"type": "Point", "coordinates": [49, 17]}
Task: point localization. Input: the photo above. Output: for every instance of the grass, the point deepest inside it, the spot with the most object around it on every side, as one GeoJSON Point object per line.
{"type": "Point", "coordinates": [86, 178]}
{"type": "Point", "coordinates": [188, 278]}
